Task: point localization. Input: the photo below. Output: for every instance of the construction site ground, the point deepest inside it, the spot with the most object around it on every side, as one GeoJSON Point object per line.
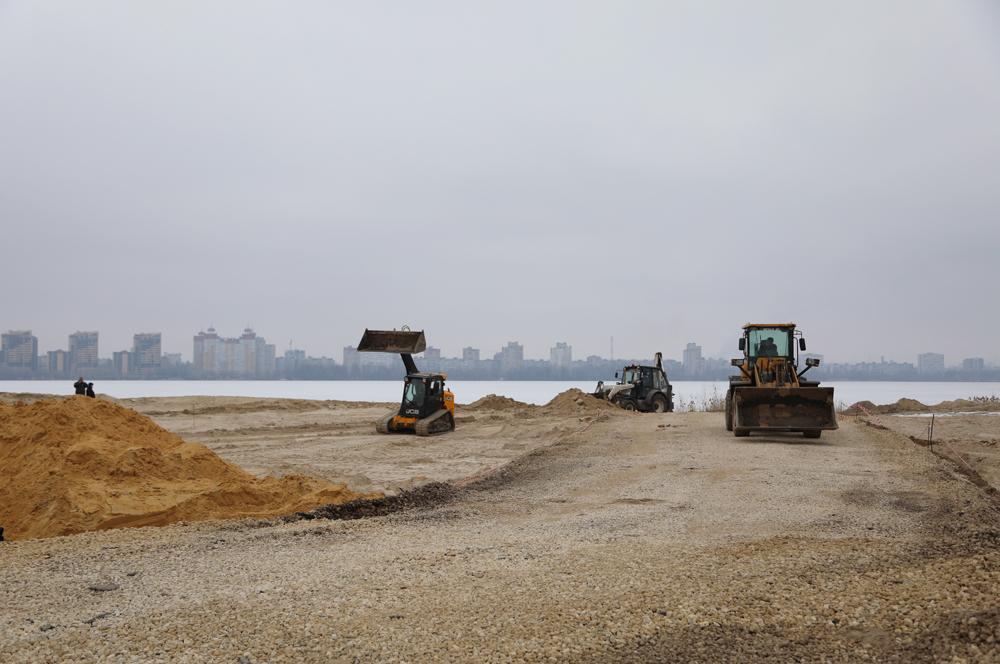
{"type": "Point", "coordinates": [629, 538]}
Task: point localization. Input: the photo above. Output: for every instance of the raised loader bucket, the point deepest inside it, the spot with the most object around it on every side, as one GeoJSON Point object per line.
{"type": "Point", "coordinates": [379, 341]}
{"type": "Point", "coordinates": [805, 409]}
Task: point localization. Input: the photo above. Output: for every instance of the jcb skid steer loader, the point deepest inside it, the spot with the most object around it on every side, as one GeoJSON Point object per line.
{"type": "Point", "coordinates": [769, 394]}
{"type": "Point", "coordinates": [427, 408]}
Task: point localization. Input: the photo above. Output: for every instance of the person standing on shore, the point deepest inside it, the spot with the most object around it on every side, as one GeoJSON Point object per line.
{"type": "Point", "coordinates": [90, 391]}
{"type": "Point", "coordinates": [80, 386]}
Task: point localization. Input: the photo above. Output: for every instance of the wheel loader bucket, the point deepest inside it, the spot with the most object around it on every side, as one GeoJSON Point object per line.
{"type": "Point", "coordinates": [379, 341]}
{"type": "Point", "coordinates": [783, 409]}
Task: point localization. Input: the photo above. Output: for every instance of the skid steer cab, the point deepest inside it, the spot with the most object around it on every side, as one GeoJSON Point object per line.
{"type": "Point", "coordinates": [645, 389]}
{"type": "Point", "coordinates": [427, 407]}
{"type": "Point", "coordinates": [770, 393]}
{"type": "Point", "coordinates": [424, 396]}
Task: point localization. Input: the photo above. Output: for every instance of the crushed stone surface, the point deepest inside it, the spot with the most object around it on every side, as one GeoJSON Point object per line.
{"type": "Point", "coordinates": [641, 538]}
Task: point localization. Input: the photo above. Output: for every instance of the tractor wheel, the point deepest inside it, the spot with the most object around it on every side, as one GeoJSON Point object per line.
{"type": "Point", "coordinates": [741, 433]}
{"type": "Point", "coordinates": [659, 404]}
{"type": "Point", "coordinates": [628, 404]}
{"type": "Point", "coordinates": [729, 412]}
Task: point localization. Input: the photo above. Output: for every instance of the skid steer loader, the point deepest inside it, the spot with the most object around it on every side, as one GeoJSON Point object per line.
{"type": "Point", "coordinates": [770, 394]}
{"type": "Point", "coordinates": [427, 408]}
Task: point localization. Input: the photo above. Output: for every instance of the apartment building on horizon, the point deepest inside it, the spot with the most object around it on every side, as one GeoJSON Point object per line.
{"type": "Point", "coordinates": [19, 351]}
{"type": "Point", "coordinates": [247, 355]}
{"type": "Point", "coordinates": [82, 353]}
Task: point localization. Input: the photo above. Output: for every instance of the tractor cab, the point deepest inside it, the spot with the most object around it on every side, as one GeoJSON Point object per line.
{"type": "Point", "coordinates": [423, 394]}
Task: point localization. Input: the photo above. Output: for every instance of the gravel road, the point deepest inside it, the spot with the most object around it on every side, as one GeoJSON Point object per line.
{"type": "Point", "coordinates": [644, 538]}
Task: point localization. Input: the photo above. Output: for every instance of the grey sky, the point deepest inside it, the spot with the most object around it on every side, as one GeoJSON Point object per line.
{"type": "Point", "coordinates": [540, 172]}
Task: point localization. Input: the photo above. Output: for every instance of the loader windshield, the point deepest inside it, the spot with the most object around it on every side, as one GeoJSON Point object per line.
{"type": "Point", "coordinates": [413, 393]}
{"type": "Point", "coordinates": [769, 342]}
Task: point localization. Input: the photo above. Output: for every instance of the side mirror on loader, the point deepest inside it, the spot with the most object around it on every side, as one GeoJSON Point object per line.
{"type": "Point", "coordinates": [743, 343]}
{"type": "Point", "coordinates": [802, 343]}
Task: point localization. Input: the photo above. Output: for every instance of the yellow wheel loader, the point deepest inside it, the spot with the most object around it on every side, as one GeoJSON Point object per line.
{"type": "Point", "coordinates": [428, 407]}
{"type": "Point", "coordinates": [770, 393]}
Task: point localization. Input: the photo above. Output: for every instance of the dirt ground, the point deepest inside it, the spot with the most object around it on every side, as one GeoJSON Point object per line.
{"type": "Point", "coordinates": [972, 437]}
{"type": "Point", "coordinates": [625, 538]}
{"type": "Point", "coordinates": [336, 441]}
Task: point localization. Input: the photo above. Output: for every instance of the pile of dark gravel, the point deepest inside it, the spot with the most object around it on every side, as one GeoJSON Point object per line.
{"type": "Point", "coordinates": [422, 498]}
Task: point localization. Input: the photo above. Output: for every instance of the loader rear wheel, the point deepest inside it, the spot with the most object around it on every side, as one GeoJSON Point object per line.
{"type": "Point", "coordinates": [812, 433]}
{"type": "Point", "coordinates": [729, 413]}
{"type": "Point", "coordinates": [659, 404]}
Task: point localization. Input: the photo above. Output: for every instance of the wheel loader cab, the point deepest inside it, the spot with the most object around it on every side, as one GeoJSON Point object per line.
{"type": "Point", "coordinates": [770, 342]}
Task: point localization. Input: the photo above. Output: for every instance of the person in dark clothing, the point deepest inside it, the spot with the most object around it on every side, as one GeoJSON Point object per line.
{"type": "Point", "coordinates": [90, 391]}
{"type": "Point", "coordinates": [81, 387]}
{"type": "Point", "coordinates": [768, 347]}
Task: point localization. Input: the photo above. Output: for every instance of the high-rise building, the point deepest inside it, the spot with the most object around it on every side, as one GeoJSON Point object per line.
{"type": "Point", "coordinates": [511, 357]}
{"type": "Point", "coordinates": [470, 353]}
{"type": "Point", "coordinates": [19, 351]}
{"type": "Point", "coordinates": [561, 357]}
{"type": "Point", "coordinates": [206, 345]}
{"type": "Point", "coordinates": [123, 362]}
{"type": "Point", "coordinates": [930, 363]}
{"type": "Point", "coordinates": [972, 364]}
{"type": "Point", "coordinates": [58, 362]}
{"type": "Point", "coordinates": [432, 353]}
{"type": "Point", "coordinates": [694, 365]}
{"type": "Point", "coordinates": [146, 356]}
{"type": "Point", "coordinates": [83, 351]}
{"type": "Point", "coordinates": [245, 356]}
{"type": "Point", "coordinates": [352, 359]}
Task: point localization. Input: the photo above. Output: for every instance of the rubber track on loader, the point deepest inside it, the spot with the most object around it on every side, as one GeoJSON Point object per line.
{"type": "Point", "coordinates": [440, 422]}
{"type": "Point", "coordinates": [382, 425]}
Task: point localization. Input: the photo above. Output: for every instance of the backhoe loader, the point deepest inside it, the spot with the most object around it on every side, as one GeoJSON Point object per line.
{"type": "Point", "coordinates": [427, 408]}
{"type": "Point", "coordinates": [770, 394]}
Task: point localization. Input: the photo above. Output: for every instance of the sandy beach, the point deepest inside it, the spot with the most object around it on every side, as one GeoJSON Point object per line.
{"type": "Point", "coordinates": [585, 538]}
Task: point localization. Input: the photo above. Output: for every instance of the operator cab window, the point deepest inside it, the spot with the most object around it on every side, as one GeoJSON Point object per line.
{"type": "Point", "coordinates": [414, 392]}
{"type": "Point", "coordinates": [769, 342]}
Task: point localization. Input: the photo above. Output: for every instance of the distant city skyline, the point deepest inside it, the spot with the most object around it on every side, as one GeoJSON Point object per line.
{"type": "Point", "coordinates": [249, 354]}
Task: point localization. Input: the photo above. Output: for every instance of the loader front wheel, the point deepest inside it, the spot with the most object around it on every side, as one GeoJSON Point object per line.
{"type": "Point", "coordinates": [628, 404]}
{"type": "Point", "coordinates": [729, 412]}
{"type": "Point", "coordinates": [812, 433]}
{"type": "Point", "coordinates": [741, 433]}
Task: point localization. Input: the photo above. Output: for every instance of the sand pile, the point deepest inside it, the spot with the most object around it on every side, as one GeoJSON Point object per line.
{"type": "Point", "coordinates": [913, 406]}
{"type": "Point", "coordinates": [85, 464]}
{"type": "Point", "coordinates": [574, 400]}
{"type": "Point", "coordinates": [494, 402]}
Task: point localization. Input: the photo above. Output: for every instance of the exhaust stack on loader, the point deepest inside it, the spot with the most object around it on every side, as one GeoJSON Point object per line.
{"type": "Point", "coordinates": [770, 393]}
{"type": "Point", "coordinates": [427, 407]}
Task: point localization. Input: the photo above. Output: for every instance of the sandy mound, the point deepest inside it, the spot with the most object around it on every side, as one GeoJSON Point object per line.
{"type": "Point", "coordinates": [574, 400]}
{"type": "Point", "coordinates": [913, 406]}
{"type": "Point", "coordinates": [494, 402]}
{"type": "Point", "coordinates": [904, 405]}
{"type": "Point", "coordinates": [85, 464]}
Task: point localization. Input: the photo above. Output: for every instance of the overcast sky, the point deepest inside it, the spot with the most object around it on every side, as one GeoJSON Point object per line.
{"type": "Point", "coordinates": [662, 173]}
